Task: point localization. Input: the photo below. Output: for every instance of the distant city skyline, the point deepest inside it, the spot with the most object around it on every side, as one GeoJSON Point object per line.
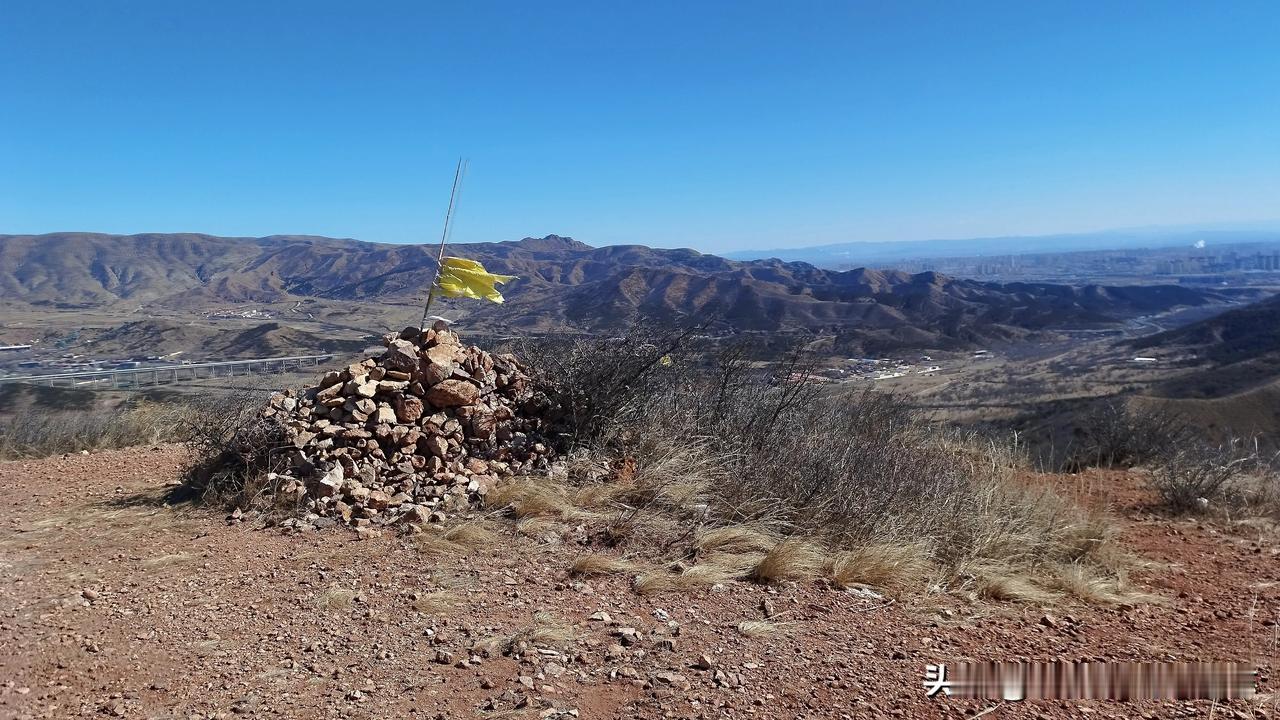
{"type": "Point", "coordinates": [717, 127]}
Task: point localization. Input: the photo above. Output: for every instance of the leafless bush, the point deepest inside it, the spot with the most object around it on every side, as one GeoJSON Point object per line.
{"type": "Point", "coordinates": [233, 450]}
{"type": "Point", "coordinates": [596, 385]}
{"type": "Point", "coordinates": [1193, 477]}
{"type": "Point", "coordinates": [1113, 435]}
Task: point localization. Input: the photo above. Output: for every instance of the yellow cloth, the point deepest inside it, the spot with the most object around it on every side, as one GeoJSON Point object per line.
{"type": "Point", "coordinates": [460, 277]}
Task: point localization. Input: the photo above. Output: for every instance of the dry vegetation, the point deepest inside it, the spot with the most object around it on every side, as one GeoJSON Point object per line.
{"type": "Point", "coordinates": [693, 471]}
{"type": "Point", "coordinates": [40, 432]}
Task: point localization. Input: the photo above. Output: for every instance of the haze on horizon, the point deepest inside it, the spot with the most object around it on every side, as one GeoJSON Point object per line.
{"type": "Point", "coordinates": [713, 127]}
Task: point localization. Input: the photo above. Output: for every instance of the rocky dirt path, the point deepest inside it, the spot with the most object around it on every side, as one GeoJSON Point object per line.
{"type": "Point", "coordinates": [114, 605]}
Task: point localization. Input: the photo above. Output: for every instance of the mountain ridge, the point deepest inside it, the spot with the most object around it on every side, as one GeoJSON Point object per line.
{"type": "Point", "coordinates": [562, 284]}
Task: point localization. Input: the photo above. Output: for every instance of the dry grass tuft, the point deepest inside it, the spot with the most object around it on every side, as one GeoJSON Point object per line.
{"type": "Point", "coordinates": [531, 497]}
{"type": "Point", "coordinates": [539, 527]}
{"type": "Point", "coordinates": [470, 535]}
{"type": "Point", "coordinates": [882, 565]}
{"type": "Point", "coordinates": [758, 628]}
{"type": "Point", "coordinates": [1088, 585]}
{"type": "Point", "coordinates": [734, 539]}
{"type": "Point", "coordinates": [999, 583]}
{"type": "Point", "coordinates": [457, 540]}
{"type": "Point", "coordinates": [167, 560]}
{"type": "Point", "coordinates": [713, 569]}
{"type": "Point", "coordinates": [791, 559]}
{"type": "Point", "coordinates": [489, 646]}
{"type": "Point", "coordinates": [722, 567]}
{"type": "Point", "coordinates": [435, 603]}
{"type": "Point", "coordinates": [599, 494]}
{"type": "Point", "coordinates": [599, 564]}
{"type": "Point", "coordinates": [335, 598]}
{"type": "Point", "coordinates": [547, 631]}
{"type": "Point", "coordinates": [657, 583]}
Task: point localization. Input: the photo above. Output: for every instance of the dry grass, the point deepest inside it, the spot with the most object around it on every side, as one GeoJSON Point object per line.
{"type": "Point", "coordinates": [882, 565]}
{"type": "Point", "coordinates": [470, 535]}
{"type": "Point", "coordinates": [167, 560]}
{"type": "Point", "coordinates": [758, 628]}
{"type": "Point", "coordinates": [491, 646]}
{"type": "Point", "coordinates": [40, 431]}
{"type": "Point", "coordinates": [599, 495]}
{"type": "Point", "coordinates": [1086, 585]}
{"type": "Point", "coordinates": [435, 603]}
{"type": "Point", "coordinates": [992, 581]}
{"type": "Point", "coordinates": [713, 569]}
{"type": "Point", "coordinates": [734, 539]}
{"type": "Point", "coordinates": [731, 477]}
{"type": "Point", "coordinates": [600, 564]}
{"type": "Point", "coordinates": [539, 527]}
{"type": "Point", "coordinates": [335, 598]}
{"type": "Point", "coordinates": [657, 583]}
{"type": "Point", "coordinates": [532, 497]}
{"type": "Point", "coordinates": [547, 631]}
{"type": "Point", "coordinates": [456, 540]}
{"type": "Point", "coordinates": [791, 559]}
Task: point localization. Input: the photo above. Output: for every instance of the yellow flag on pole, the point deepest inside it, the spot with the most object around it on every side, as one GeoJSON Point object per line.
{"type": "Point", "coordinates": [460, 277]}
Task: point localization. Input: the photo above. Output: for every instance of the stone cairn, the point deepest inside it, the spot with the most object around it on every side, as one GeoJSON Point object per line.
{"type": "Point", "coordinates": [426, 429]}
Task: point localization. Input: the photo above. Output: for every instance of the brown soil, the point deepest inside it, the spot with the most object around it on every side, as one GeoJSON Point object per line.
{"type": "Point", "coordinates": [113, 604]}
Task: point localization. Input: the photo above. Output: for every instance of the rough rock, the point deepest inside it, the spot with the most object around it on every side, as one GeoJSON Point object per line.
{"type": "Point", "coordinates": [452, 393]}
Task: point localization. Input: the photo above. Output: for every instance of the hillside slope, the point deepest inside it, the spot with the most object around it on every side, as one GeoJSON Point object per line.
{"type": "Point", "coordinates": [1229, 354]}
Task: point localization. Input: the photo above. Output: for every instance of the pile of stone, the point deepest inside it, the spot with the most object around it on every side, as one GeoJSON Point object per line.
{"type": "Point", "coordinates": [425, 429]}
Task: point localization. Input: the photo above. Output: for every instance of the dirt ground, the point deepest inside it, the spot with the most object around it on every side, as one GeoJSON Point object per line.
{"type": "Point", "coordinates": [114, 605]}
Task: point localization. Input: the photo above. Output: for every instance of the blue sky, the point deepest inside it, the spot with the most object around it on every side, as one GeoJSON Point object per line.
{"type": "Point", "coordinates": [714, 125]}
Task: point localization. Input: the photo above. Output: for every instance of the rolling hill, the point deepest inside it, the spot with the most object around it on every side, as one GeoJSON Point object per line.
{"type": "Point", "coordinates": [1232, 352]}
{"type": "Point", "coordinates": [563, 285]}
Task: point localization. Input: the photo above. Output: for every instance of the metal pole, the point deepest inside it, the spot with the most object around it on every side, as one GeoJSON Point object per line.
{"type": "Point", "coordinates": [444, 236]}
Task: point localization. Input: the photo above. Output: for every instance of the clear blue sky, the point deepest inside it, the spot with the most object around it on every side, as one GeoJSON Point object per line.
{"type": "Point", "coordinates": [715, 125]}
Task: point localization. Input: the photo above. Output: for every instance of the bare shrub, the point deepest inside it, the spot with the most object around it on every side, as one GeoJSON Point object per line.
{"type": "Point", "coordinates": [1257, 494]}
{"type": "Point", "coordinates": [1113, 435]}
{"type": "Point", "coordinates": [1192, 477]}
{"type": "Point", "coordinates": [595, 384]}
{"type": "Point", "coordinates": [234, 452]}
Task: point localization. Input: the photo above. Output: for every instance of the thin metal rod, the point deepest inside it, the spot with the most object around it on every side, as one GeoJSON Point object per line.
{"type": "Point", "coordinates": [444, 237]}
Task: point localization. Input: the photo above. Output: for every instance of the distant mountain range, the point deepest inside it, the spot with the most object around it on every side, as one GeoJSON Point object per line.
{"type": "Point", "coordinates": [881, 253]}
{"type": "Point", "coordinates": [563, 285]}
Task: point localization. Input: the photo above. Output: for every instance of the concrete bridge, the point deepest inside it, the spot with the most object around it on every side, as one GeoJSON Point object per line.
{"type": "Point", "coordinates": [169, 374]}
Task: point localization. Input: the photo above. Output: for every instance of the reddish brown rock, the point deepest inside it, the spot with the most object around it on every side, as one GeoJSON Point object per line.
{"type": "Point", "coordinates": [452, 393]}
